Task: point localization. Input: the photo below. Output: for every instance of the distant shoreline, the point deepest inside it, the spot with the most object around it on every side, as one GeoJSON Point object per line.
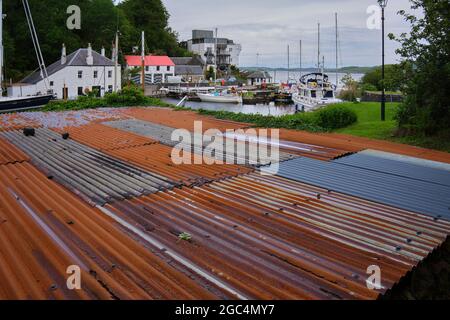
{"type": "Point", "coordinates": [352, 69]}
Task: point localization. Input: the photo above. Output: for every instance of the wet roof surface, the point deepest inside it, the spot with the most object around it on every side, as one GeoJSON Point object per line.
{"type": "Point", "coordinates": [112, 201]}
{"type": "Point", "coordinates": [384, 187]}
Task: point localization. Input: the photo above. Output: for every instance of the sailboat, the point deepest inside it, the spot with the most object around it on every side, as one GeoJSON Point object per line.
{"type": "Point", "coordinates": [8, 104]}
{"type": "Point", "coordinates": [314, 90]}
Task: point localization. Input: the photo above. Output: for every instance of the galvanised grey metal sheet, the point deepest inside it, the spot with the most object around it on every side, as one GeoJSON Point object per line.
{"type": "Point", "coordinates": [89, 173]}
{"type": "Point", "coordinates": [414, 195]}
{"type": "Point", "coordinates": [164, 135]}
{"type": "Point", "coordinates": [398, 168]}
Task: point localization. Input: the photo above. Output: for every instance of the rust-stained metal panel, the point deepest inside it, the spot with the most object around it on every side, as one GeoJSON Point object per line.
{"type": "Point", "coordinates": [103, 137]}
{"type": "Point", "coordinates": [272, 238]}
{"type": "Point", "coordinates": [157, 158]}
{"type": "Point", "coordinates": [86, 171]}
{"type": "Point", "coordinates": [44, 229]}
{"type": "Point", "coordinates": [181, 119]}
{"type": "Point", "coordinates": [10, 154]}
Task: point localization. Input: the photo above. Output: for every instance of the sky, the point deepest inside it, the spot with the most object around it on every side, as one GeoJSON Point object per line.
{"type": "Point", "coordinates": [267, 27]}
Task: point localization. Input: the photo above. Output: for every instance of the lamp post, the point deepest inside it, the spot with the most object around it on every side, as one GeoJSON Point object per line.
{"type": "Point", "coordinates": [383, 4]}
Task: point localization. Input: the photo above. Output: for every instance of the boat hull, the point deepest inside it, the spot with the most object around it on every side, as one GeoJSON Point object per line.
{"type": "Point", "coordinates": [23, 103]}
{"type": "Point", "coordinates": [219, 99]}
{"type": "Point", "coordinates": [312, 104]}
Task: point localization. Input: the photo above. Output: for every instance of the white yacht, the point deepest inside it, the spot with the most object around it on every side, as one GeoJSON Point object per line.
{"type": "Point", "coordinates": [314, 91]}
{"type": "Point", "coordinates": [220, 97]}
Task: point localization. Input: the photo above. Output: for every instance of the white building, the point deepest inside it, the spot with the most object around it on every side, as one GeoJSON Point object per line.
{"type": "Point", "coordinates": [157, 68]}
{"type": "Point", "coordinates": [203, 43]}
{"type": "Point", "coordinates": [258, 78]}
{"type": "Point", "coordinates": [74, 75]}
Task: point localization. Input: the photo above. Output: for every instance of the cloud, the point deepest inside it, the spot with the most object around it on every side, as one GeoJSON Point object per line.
{"type": "Point", "coordinates": [268, 27]}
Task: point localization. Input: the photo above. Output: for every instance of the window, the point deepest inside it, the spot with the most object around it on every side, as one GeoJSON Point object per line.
{"type": "Point", "coordinates": [158, 68]}
{"type": "Point", "coordinates": [80, 91]}
{"type": "Point", "coordinates": [110, 88]}
{"type": "Point", "coordinates": [168, 68]}
{"type": "Point", "coordinates": [80, 74]}
{"type": "Point", "coordinates": [147, 68]}
{"type": "Point", "coordinates": [109, 74]}
{"type": "Point", "coordinates": [95, 74]}
{"type": "Point", "coordinates": [51, 83]}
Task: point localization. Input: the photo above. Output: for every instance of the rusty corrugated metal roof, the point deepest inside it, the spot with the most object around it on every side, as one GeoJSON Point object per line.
{"type": "Point", "coordinates": [164, 135]}
{"type": "Point", "coordinates": [106, 138]}
{"type": "Point", "coordinates": [86, 171]}
{"type": "Point", "coordinates": [269, 237]}
{"type": "Point", "coordinates": [10, 154]}
{"type": "Point", "coordinates": [157, 158]}
{"type": "Point", "coordinates": [44, 229]}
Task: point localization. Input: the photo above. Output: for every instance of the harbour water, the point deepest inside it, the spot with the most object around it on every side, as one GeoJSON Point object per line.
{"type": "Point", "coordinates": [261, 109]}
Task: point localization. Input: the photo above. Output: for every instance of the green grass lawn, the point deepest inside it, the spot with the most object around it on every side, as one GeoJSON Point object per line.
{"type": "Point", "coordinates": [369, 125]}
{"type": "Point", "coordinates": [369, 120]}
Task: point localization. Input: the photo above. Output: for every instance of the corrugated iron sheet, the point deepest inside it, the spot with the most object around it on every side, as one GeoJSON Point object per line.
{"type": "Point", "coordinates": [181, 119]}
{"type": "Point", "coordinates": [397, 168]}
{"type": "Point", "coordinates": [272, 238]}
{"type": "Point", "coordinates": [44, 229]}
{"type": "Point", "coordinates": [414, 195]}
{"type": "Point", "coordinates": [106, 138]}
{"type": "Point", "coordinates": [85, 171]}
{"type": "Point", "coordinates": [356, 144]}
{"type": "Point", "coordinates": [15, 121]}
{"type": "Point", "coordinates": [10, 154]}
{"type": "Point", "coordinates": [164, 135]}
{"type": "Point", "coordinates": [157, 158]}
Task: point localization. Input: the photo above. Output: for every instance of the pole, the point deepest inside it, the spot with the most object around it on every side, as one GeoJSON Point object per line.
{"type": "Point", "coordinates": [143, 62]}
{"type": "Point", "coordinates": [1, 47]}
{"type": "Point", "coordinates": [318, 47]}
{"type": "Point", "coordinates": [289, 63]}
{"type": "Point", "coordinates": [116, 62]}
{"type": "Point", "coordinates": [216, 58]}
{"type": "Point", "coordinates": [337, 57]}
{"type": "Point", "coordinates": [301, 59]}
{"type": "Point", "coordinates": [383, 93]}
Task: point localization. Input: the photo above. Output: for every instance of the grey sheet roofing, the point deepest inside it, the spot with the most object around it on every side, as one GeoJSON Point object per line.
{"type": "Point", "coordinates": [91, 174]}
{"type": "Point", "coordinates": [77, 58]}
{"type": "Point", "coordinates": [397, 168]}
{"type": "Point", "coordinates": [164, 135]}
{"type": "Point", "coordinates": [182, 70]}
{"type": "Point", "coordinates": [399, 188]}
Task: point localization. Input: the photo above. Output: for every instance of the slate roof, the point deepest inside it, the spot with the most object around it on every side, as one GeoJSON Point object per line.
{"type": "Point", "coordinates": [77, 58]}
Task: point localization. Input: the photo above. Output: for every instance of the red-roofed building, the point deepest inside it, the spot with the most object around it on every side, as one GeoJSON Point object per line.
{"type": "Point", "coordinates": [157, 68]}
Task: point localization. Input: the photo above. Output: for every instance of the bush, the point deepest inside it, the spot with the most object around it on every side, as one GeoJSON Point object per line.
{"type": "Point", "coordinates": [335, 117]}
{"type": "Point", "coordinates": [129, 95]}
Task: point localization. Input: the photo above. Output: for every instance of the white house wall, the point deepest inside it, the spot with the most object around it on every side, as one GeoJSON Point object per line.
{"type": "Point", "coordinates": [164, 72]}
{"type": "Point", "coordinates": [68, 77]}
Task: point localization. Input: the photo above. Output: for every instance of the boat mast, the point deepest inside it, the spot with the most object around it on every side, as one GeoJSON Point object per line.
{"type": "Point", "coordinates": [337, 57]}
{"type": "Point", "coordinates": [1, 46]}
{"type": "Point", "coordinates": [216, 57]}
{"type": "Point", "coordinates": [300, 59]}
{"type": "Point", "coordinates": [143, 62]}
{"type": "Point", "coordinates": [318, 47]}
{"type": "Point", "coordinates": [289, 63]}
{"type": "Point", "coordinates": [116, 58]}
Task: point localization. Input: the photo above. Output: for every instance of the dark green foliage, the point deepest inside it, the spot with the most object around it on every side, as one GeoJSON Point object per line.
{"type": "Point", "coordinates": [394, 78]}
{"type": "Point", "coordinates": [427, 84]}
{"type": "Point", "coordinates": [129, 96]}
{"type": "Point", "coordinates": [326, 119]}
{"type": "Point", "coordinates": [99, 22]}
{"type": "Point", "coordinates": [335, 117]}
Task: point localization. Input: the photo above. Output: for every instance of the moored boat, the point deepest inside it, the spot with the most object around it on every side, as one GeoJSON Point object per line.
{"type": "Point", "coordinates": [220, 97]}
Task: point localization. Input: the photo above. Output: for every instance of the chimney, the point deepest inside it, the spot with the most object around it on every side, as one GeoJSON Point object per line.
{"type": "Point", "coordinates": [103, 52]}
{"type": "Point", "coordinates": [63, 54]}
{"type": "Point", "coordinates": [89, 58]}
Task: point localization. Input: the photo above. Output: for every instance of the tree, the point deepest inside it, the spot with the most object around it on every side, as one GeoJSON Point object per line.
{"type": "Point", "coordinates": [427, 50]}
{"type": "Point", "coordinates": [394, 78]}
